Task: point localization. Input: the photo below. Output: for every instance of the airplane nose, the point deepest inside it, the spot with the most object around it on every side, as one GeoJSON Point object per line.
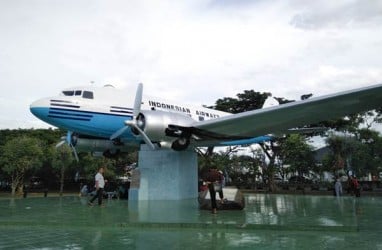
{"type": "Point", "coordinates": [40, 108]}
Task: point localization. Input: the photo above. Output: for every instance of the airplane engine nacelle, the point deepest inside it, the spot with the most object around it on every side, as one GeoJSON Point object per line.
{"type": "Point", "coordinates": [107, 147]}
{"type": "Point", "coordinates": [157, 125]}
{"type": "Point", "coordinates": [86, 145]}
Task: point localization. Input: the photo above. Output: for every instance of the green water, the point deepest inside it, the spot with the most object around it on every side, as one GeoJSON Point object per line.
{"type": "Point", "coordinates": [267, 222]}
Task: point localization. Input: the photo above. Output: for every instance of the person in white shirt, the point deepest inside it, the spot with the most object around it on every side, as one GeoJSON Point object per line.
{"type": "Point", "coordinates": [338, 187]}
{"type": "Point", "coordinates": [99, 185]}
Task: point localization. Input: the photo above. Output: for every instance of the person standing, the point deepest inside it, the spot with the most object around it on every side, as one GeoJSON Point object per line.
{"type": "Point", "coordinates": [222, 185]}
{"type": "Point", "coordinates": [350, 185]}
{"type": "Point", "coordinates": [99, 185]}
{"type": "Point", "coordinates": [338, 187]}
{"type": "Point", "coordinates": [213, 181]}
{"type": "Point", "coordinates": [356, 187]}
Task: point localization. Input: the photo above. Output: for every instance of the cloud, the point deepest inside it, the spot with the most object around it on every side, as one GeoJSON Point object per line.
{"type": "Point", "coordinates": [190, 51]}
{"type": "Point", "coordinates": [336, 14]}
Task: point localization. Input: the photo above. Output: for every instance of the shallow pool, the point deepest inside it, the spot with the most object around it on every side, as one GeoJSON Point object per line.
{"type": "Point", "coordinates": [267, 222]}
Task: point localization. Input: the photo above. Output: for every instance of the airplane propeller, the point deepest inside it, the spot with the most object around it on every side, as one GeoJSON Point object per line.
{"type": "Point", "coordinates": [71, 140]}
{"type": "Point", "coordinates": [137, 121]}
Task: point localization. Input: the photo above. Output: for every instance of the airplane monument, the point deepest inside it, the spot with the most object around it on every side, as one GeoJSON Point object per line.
{"type": "Point", "coordinates": [109, 121]}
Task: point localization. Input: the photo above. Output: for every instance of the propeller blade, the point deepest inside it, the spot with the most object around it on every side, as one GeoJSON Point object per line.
{"type": "Point", "coordinates": [60, 144]}
{"type": "Point", "coordinates": [145, 138]}
{"type": "Point", "coordinates": [138, 100]}
{"type": "Point", "coordinates": [69, 137]}
{"type": "Point", "coordinates": [74, 152]}
{"type": "Point", "coordinates": [71, 142]}
{"type": "Point", "coordinates": [136, 111]}
{"type": "Point", "coordinates": [133, 123]}
{"type": "Point", "coordinates": [118, 133]}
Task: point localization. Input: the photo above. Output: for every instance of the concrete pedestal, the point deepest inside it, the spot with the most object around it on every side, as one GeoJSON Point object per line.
{"type": "Point", "coordinates": [165, 175]}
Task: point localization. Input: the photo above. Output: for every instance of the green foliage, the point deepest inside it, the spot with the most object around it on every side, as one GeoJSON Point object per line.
{"type": "Point", "coordinates": [367, 154]}
{"type": "Point", "coordinates": [327, 164]}
{"type": "Point", "coordinates": [363, 152]}
{"type": "Point", "coordinates": [47, 136]}
{"type": "Point", "coordinates": [62, 157]}
{"type": "Point", "coordinates": [227, 104]}
{"type": "Point", "coordinates": [249, 100]}
{"type": "Point", "coordinates": [282, 100]}
{"type": "Point", "coordinates": [351, 123]}
{"type": "Point", "coordinates": [361, 159]}
{"type": "Point", "coordinates": [243, 169]}
{"type": "Point", "coordinates": [56, 163]}
{"type": "Point", "coordinates": [342, 148]}
{"type": "Point", "coordinates": [20, 155]}
{"type": "Point", "coordinates": [296, 152]}
{"type": "Point", "coordinates": [89, 166]}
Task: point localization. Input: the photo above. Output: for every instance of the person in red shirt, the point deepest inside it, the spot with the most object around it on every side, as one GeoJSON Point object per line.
{"type": "Point", "coordinates": [356, 187]}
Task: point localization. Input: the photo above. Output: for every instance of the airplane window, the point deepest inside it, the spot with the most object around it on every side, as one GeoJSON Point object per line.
{"type": "Point", "coordinates": [78, 92]}
{"type": "Point", "coordinates": [68, 92]}
{"type": "Point", "coordinates": [88, 95]}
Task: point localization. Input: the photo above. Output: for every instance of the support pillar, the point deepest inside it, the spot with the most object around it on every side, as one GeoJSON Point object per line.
{"type": "Point", "coordinates": [165, 174]}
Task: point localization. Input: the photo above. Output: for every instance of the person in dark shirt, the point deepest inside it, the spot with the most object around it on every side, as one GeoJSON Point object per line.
{"type": "Point", "coordinates": [213, 180]}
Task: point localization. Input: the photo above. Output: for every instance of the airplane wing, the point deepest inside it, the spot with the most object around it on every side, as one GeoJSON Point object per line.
{"type": "Point", "coordinates": [278, 119]}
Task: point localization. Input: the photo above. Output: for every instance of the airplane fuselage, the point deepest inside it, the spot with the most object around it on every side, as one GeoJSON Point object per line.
{"type": "Point", "coordinates": [101, 111]}
{"type": "Point", "coordinates": [126, 117]}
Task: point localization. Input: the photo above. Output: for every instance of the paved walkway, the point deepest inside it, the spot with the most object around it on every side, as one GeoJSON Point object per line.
{"type": "Point", "coordinates": [267, 222]}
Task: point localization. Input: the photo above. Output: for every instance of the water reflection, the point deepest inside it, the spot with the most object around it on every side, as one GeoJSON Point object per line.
{"type": "Point", "coordinates": [267, 222]}
{"type": "Point", "coordinates": [300, 210]}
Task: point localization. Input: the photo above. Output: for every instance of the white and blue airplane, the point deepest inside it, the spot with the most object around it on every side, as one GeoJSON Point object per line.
{"type": "Point", "coordinates": [107, 120]}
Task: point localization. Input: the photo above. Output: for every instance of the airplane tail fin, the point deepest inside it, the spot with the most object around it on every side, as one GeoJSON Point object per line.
{"type": "Point", "coordinates": [270, 102]}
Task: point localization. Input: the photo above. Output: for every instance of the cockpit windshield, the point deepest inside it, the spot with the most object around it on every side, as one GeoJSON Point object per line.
{"type": "Point", "coordinates": [68, 92]}
{"type": "Point", "coordinates": [87, 94]}
{"type": "Point", "coordinates": [84, 93]}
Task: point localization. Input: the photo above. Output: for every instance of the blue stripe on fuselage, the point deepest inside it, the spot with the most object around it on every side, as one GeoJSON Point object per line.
{"type": "Point", "coordinates": [69, 118]}
{"type": "Point", "coordinates": [69, 114]}
{"type": "Point", "coordinates": [95, 124]}
{"type": "Point", "coordinates": [258, 139]}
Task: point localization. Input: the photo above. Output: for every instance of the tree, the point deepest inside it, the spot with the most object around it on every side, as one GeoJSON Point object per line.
{"type": "Point", "coordinates": [246, 169]}
{"type": "Point", "coordinates": [249, 100]}
{"type": "Point", "coordinates": [47, 138]}
{"type": "Point", "coordinates": [342, 148]}
{"type": "Point", "coordinates": [20, 155]}
{"type": "Point", "coordinates": [90, 165]}
{"type": "Point", "coordinates": [367, 154]}
{"type": "Point", "coordinates": [207, 158]}
{"type": "Point", "coordinates": [63, 158]}
{"type": "Point", "coordinates": [296, 152]}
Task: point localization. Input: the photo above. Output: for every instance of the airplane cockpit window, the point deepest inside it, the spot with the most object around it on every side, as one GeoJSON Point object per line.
{"type": "Point", "coordinates": [78, 92]}
{"type": "Point", "coordinates": [68, 92]}
{"type": "Point", "coordinates": [87, 94]}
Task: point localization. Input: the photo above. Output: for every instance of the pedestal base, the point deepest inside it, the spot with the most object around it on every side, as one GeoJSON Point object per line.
{"type": "Point", "coordinates": [165, 175]}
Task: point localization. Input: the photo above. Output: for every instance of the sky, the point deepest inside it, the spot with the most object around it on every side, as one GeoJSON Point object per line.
{"type": "Point", "coordinates": [193, 51]}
